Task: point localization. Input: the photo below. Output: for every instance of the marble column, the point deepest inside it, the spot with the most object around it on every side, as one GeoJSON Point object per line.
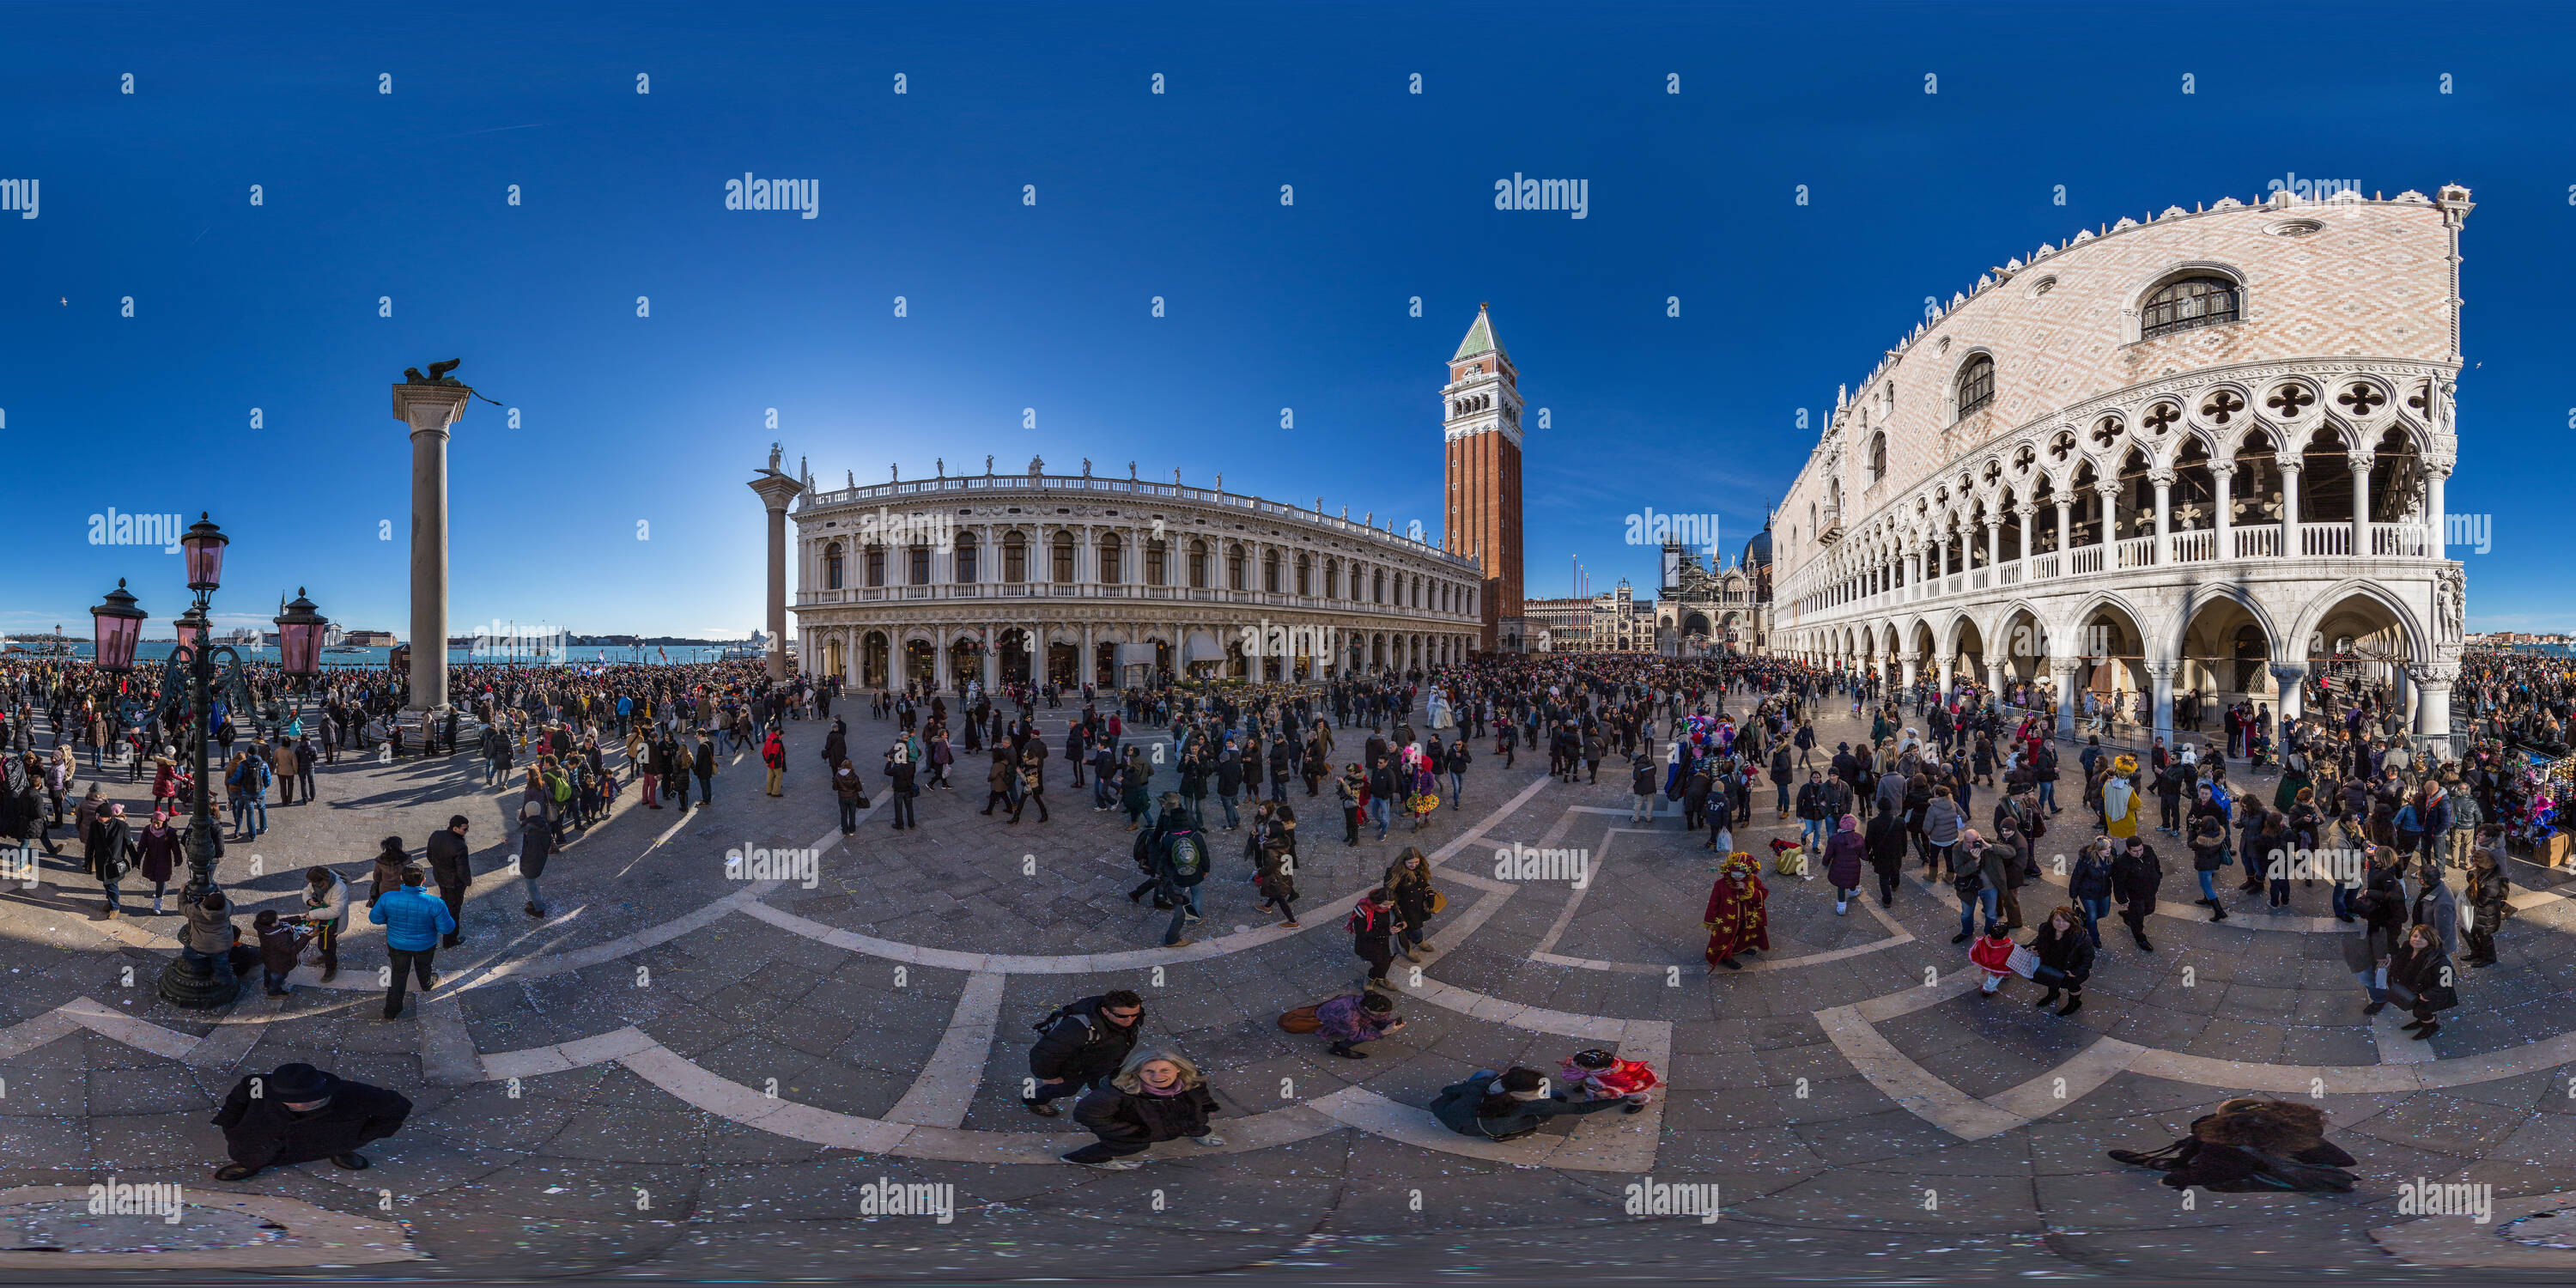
{"type": "Point", "coordinates": [2164, 515]}
{"type": "Point", "coordinates": [2436, 475]}
{"type": "Point", "coordinates": [2292, 543]}
{"type": "Point", "coordinates": [2067, 668]}
{"type": "Point", "coordinates": [2160, 678]}
{"type": "Point", "coordinates": [429, 410]}
{"type": "Point", "coordinates": [2025, 512]}
{"type": "Point", "coordinates": [2290, 676]}
{"type": "Point", "coordinates": [776, 491]}
{"type": "Point", "coordinates": [2361, 462]}
{"type": "Point", "coordinates": [2222, 476]}
{"type": "Point", "coordinates": [2433, 710]}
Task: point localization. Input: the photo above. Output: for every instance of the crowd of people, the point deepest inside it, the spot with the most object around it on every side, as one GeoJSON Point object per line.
{"type": "Point", "coordinates": [1711, 737]}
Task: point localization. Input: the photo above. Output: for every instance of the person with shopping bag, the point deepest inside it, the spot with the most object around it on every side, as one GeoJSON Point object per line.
{"type": "Point", "coordinates": [2000, 959]}
{"type": "Point", "coordinates": [2066, 953]}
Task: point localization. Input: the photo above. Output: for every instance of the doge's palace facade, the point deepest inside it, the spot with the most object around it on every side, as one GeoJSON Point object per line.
{"type": "Point", "coordinates": [2203, 452]}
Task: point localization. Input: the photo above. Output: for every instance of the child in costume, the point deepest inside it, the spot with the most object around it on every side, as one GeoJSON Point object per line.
{"type": "Point", "coordinates": [1607, 1077]}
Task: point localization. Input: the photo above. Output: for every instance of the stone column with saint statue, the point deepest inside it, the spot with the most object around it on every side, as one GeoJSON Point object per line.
{"type": "Point", "coordinates": [777, 491]}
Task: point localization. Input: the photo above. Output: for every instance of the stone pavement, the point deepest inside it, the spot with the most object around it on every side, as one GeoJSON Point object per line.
{"type": "Point", "coordinates": [686, 1073]}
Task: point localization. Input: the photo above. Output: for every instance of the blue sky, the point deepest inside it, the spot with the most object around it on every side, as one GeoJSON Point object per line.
{"type": "Point", "coordinates": [368, 195]}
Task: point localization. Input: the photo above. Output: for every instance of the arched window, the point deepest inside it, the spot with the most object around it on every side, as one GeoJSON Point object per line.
{"type": "Point", "coordinates": [1270, 570]}
{"type": "Point", "coordinates": [1332, 578]}
{"type": "Point", "coordinates": [1157, 571]}
{"type": "Point", "coordinates": [1976, 384]}
{"type": "Point", "coordinates": [1063, 557]}
{"type": "Point", "coordinates": [1110, 552]}
{"type": "Point", "coordinates": [876, 565]}
{"type": "Point", "coordinates": [832, 566]}
{"type": "Point", "coordinates": [966, 552]}
{"type": "Point", "coordinates": [1198, 564]}
{"type": "Point", "coordinates": [920, 565]}
{"type": "Point", "coordinates": [1234, 567]}
{"type": "Point", "coordinates": [1377, 587]}
{"type": "Point", "coordinates": [2182, 305]}
{"type": "Point", "coordinates": [1015, 558]}
{"type": "Point", "coordinates": [1305, 573]}
{"type": "Point", "coordinates": [1878, 456]}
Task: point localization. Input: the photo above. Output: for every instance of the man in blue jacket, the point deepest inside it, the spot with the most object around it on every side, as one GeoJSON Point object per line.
{"type": "Point", "coordinates": [414, 923]}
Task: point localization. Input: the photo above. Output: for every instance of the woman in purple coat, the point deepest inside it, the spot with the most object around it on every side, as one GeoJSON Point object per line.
{"type": "Point", "coordinates": [1843, 855]}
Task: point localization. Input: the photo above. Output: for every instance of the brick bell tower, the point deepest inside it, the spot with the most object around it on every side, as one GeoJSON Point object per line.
{"type": "Point", "coordinates": [1483, 428]}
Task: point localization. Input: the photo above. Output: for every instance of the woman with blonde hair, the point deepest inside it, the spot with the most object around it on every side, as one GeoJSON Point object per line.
{"type": "Point", "coordinates": [1157, 1095]}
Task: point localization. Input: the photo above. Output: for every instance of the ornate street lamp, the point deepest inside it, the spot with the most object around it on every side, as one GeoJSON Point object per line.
{"type": "Point", "coordinates": [119, 626]}
{"type": "Point", "coordinates": [191, 628]}
{"type": "Point", "coordinates": [189, 678]}
{"type": "Point", "coordinates": [205, 544]}
{"type": "Point", "coordinates": [299, 637]}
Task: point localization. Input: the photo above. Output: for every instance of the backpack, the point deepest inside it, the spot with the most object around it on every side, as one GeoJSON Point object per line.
{"type": "Point", "coordinates": [1184, 854]}
{"type": "Point", "coordinates": [1048, 1021]}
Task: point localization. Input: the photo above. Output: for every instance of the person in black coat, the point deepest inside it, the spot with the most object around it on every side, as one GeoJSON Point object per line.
{"type": "Point", "coordinates": [1081, 1043]}
{"type": "Point", "coordinates": [1156, 1096]}
{"type": "Point", "coordinates": [2065, 951]}
{"type": "Point", "coordinates": [2421, 979]}
{"type": "Point", "coordinates": [1886, 840]}
{"type": "Point", "coordinates": [299, 1114]}
{"type": "Point", "coordinates": [2135, 874]}
{"type": "Point", "coordinates": [451, 867]}
{"type": "Point", "coordinates": [112, 852]}
{"type": "Point", "coordinates": [703, 762]}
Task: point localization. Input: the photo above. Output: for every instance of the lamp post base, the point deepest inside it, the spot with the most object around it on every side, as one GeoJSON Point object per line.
{"type": "Point", "coordinates": [198, 983]}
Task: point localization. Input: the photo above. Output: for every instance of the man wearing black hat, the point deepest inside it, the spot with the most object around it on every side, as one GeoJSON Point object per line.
{"type": "Point", "coordinates": [299, 1114]}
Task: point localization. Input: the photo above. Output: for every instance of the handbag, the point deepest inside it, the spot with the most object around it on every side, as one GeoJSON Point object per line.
{"type": "Point", "coordinates": [1439, 901]}
{"type": "Point", "coordinates": [1301, 1020]}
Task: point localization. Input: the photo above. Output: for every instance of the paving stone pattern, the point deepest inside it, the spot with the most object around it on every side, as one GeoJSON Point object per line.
{"type": "Point", "coordinates": [681, 1073]}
